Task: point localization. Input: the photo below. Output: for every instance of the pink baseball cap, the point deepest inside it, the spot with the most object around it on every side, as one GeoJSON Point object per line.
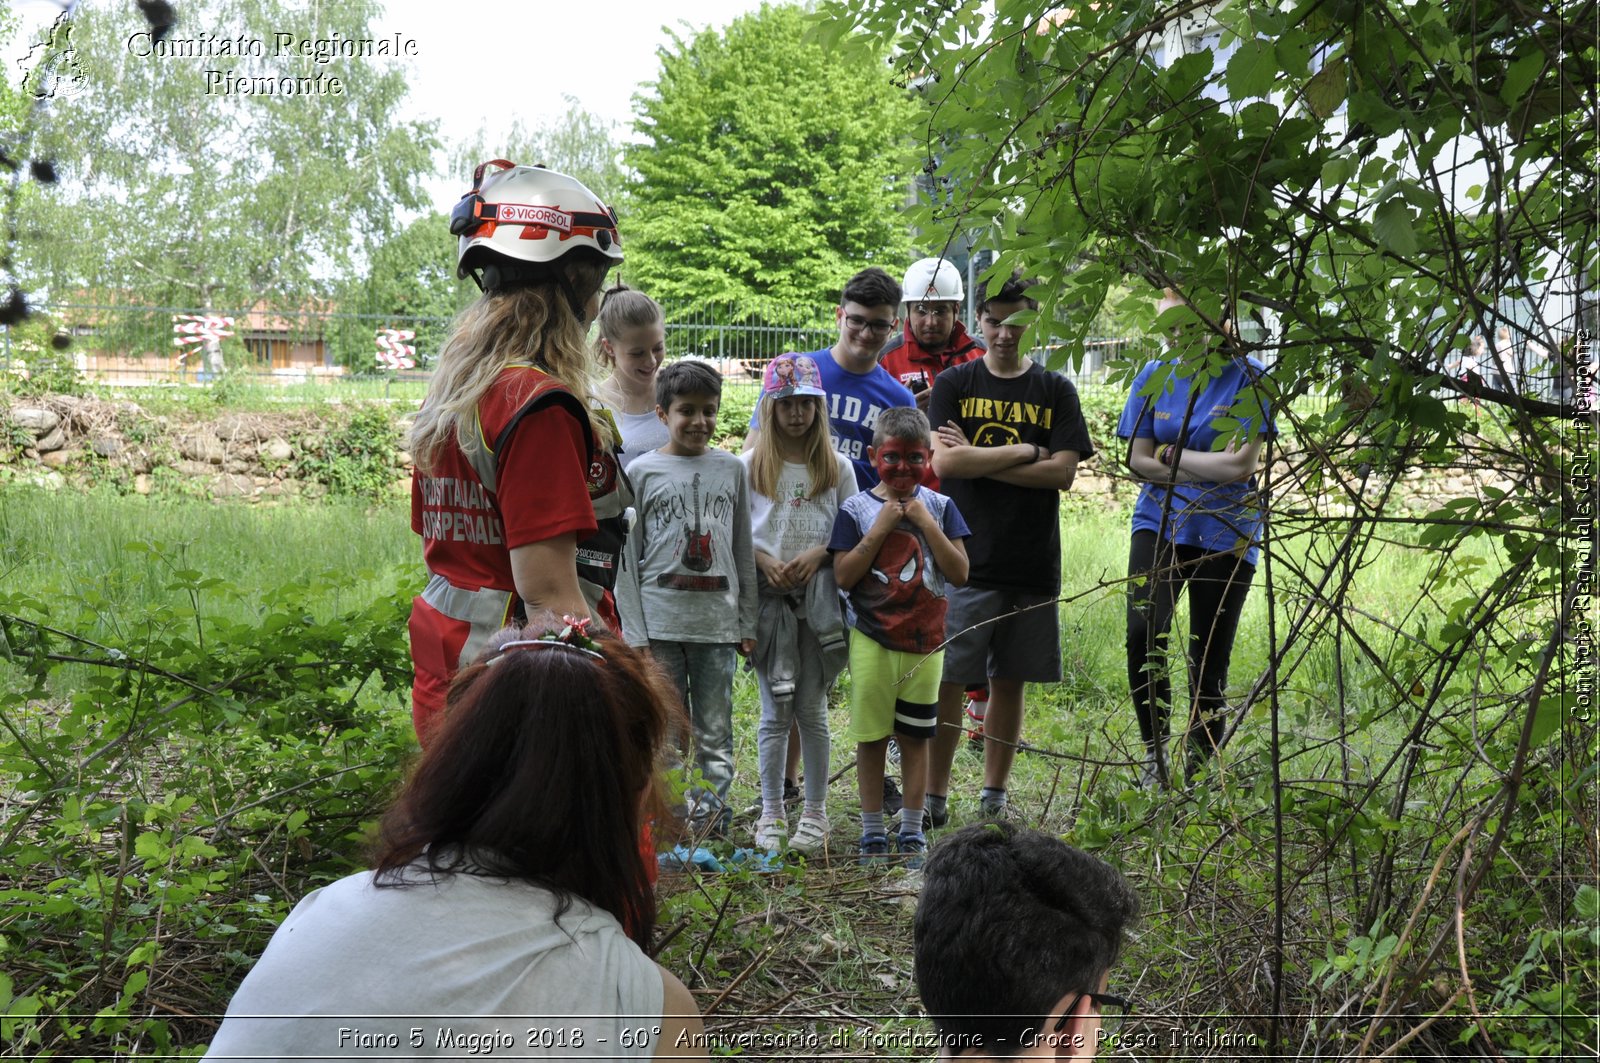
{"type": "Point", "coordinates": [790, 375]}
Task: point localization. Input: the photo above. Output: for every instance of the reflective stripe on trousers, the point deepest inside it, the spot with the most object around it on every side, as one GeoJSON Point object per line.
{"type": "Point", "coordinates": [485, 610]}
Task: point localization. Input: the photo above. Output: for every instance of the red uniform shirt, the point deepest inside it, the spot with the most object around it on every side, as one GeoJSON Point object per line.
{"type": "Point", "coordinates": [468, 531]}
{"type": "Point", "coordinates": [914, 367]}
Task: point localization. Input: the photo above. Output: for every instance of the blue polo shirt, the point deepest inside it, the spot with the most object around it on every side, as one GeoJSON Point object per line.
{"type": "Point", "coordinates": [854, 402]}
{"type": "Point", "coordinates": [1217, 518]}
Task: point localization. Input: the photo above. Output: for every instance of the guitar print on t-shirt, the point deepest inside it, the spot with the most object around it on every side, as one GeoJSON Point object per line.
{"type": "Point", "coordinates": [698, 556]}
{"type": "Point", "coordinates": [697, 545]}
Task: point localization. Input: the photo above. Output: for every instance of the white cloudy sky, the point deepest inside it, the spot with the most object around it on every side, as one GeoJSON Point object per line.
{"type": "Point", "coordinates": [487, 64]}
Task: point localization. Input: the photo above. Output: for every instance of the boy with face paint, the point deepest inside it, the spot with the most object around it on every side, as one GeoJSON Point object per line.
{"type": "Point", "coordinates": [895, 549]}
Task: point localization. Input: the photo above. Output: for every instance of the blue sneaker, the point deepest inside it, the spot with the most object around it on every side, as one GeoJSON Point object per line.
{"type": "Point", "coordinates": [913, 850]}
{"type": "Point", "coordinates": [874, 850]}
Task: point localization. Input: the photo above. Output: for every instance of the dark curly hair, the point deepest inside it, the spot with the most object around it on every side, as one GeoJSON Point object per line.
{"type": "Point", "coordinates": [1009, 922]}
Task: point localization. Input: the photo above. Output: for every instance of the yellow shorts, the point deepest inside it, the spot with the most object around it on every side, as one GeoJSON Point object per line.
{"type": "Point", "coordinates": [892, 692]}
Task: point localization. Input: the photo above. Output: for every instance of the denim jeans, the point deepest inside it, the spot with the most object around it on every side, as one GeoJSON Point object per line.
{"type": "Point", "coordinates": [703, 672]}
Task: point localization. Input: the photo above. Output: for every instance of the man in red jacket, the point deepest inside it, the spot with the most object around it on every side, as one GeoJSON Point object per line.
{"type": "Point", "coordinates": [934, 338]}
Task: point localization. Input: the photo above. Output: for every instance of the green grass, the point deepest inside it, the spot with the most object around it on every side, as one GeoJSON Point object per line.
{"type": "Point", "coordinates": [245, 393]}
{"type": "Point", "coordinates": [829, 939]}
{"type": "Point", "coordinates": [77, 544]}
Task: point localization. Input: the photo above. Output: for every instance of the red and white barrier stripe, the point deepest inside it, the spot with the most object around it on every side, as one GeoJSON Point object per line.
{"type": "Point", "coordinates": [190, 329]}
{"type": "Point", "coordinates": [394, 352]}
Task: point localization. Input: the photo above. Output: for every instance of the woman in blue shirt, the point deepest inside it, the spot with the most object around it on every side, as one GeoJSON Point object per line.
{"type": "Point", "coordinates": [1196, 525]}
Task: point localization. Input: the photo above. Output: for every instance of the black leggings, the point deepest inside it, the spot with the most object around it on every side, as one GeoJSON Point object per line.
{"type": "Point", "coordinates": [1218, 584]}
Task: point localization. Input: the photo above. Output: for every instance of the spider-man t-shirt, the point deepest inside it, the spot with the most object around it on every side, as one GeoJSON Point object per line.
{"type": "Point", "coordinates": [900, 602]}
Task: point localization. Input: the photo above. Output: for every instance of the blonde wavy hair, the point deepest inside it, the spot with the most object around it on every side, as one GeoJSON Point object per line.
{"type": "Point", "coordinates": [526, 325]}
{"type": "Point", "coordinates": [766, 460]}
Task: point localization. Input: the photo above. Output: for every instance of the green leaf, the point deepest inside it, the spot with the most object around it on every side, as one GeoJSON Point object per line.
{"type": "Point", "coordinates": [1520, 75]}
{"type": "Point", "coordinates": [1251, 70]}
{"type": "Point", "coordinates": [1587, 903]}
{"type": "Point", "coordinates": [1393, 225]}
{"type": "Point", "coordinates": [1337, 170]}
{"type": "Point", "coordinates": [1547, 719]}
{"type": "Point", "coordinates": [1326, 91]}
{"type": "Point", "coordinates": [151, 847]}
{"type": "Point", "coordinates": [1185, 75]}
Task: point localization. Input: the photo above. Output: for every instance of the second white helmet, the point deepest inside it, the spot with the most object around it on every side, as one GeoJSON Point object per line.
{"type": "Point", "coordinates": [933, 280]}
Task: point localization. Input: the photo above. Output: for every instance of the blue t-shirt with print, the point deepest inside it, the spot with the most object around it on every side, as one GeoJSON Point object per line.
{"type": "Point", "coordinates": [1217, 518]}
{"type": "Point", "coordinates": [854, 403]}
{"type": "Point", "coordinates": [900, 602]}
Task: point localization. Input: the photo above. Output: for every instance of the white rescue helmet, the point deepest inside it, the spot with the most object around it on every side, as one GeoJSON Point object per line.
{"type": "Point", "coordinates": [933, 280]}
{"type": "Point", "coordinates": [527, 214]}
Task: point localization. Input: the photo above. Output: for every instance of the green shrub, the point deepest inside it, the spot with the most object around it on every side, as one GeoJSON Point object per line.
{"type": "Point", "coordinates": [355, 457]}
{"type": "Point", "coordinates": [168, 801]}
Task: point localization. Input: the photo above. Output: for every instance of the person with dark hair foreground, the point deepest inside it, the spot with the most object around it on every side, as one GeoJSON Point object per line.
{"type": "Point", "coordinates": [1015, 934]}
{"type": "Point", "coordinates": [509, 896]}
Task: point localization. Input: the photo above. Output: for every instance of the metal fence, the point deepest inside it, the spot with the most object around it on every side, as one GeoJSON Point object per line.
{"type": "Point", "coordinates": [139, 346]}
{"type": "Point", "coordinates": [120, 345]}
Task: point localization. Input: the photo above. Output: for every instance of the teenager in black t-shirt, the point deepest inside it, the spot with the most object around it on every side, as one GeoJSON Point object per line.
{"type": "Point", "coordinates": [1008, 437]}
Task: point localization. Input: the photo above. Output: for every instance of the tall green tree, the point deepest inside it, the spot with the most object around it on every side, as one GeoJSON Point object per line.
{"type": "Point", "coordinates": [179, 187]}
{"type": "Point", "coordinates": [768, 167]}
{"type": "Point", "coordinates": [1379, 182]}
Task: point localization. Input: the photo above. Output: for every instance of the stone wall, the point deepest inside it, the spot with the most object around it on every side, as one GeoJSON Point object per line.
{"type": "Point", "coordinates": [57, 441]}
{"type": "Point", "coordinates": [61, 440]}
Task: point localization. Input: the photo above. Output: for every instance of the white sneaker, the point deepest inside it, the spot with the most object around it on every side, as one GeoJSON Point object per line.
{"type": "Point", "coordinates": [771, 834]}
{"type": "Point", "coordinates": [811, 835]}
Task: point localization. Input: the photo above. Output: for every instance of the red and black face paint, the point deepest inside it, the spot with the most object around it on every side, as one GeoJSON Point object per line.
{"type": "Point", "coordinates": [902, 465]}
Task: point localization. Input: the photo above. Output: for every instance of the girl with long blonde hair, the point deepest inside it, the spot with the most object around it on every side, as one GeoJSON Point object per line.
{"type": "Point", "coordinates": [798, 481]}
{"type": "Point", "coordinates": [632, 343]}
{"type": "Point", "coordinates": [517, 494]}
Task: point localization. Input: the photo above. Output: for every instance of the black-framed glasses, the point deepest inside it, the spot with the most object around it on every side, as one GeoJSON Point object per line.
{"type": "Point", "coordinates": [1113, 1009]}
{"type": "Point", "coordinates": [861, 324]}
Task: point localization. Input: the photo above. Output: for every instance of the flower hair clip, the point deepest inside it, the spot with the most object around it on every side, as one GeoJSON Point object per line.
{"type": "Point", "coordinates": [574, 636]}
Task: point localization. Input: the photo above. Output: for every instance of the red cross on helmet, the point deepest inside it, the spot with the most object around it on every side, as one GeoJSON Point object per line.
{"type": "Point", "coordinates": [528, 214]}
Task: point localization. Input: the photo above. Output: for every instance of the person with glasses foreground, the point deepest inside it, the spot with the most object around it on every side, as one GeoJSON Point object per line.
{"type": "Point", "coordinates": [1015, 935]}
{"type": "Point", "coordinates": [1007, 440]}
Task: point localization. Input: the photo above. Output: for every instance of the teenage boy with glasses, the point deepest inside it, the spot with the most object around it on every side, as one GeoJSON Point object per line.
{"type": "Point", "coordinates": [858, 388]}
{"type": "Point", "coordinates": [1015, 935]}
